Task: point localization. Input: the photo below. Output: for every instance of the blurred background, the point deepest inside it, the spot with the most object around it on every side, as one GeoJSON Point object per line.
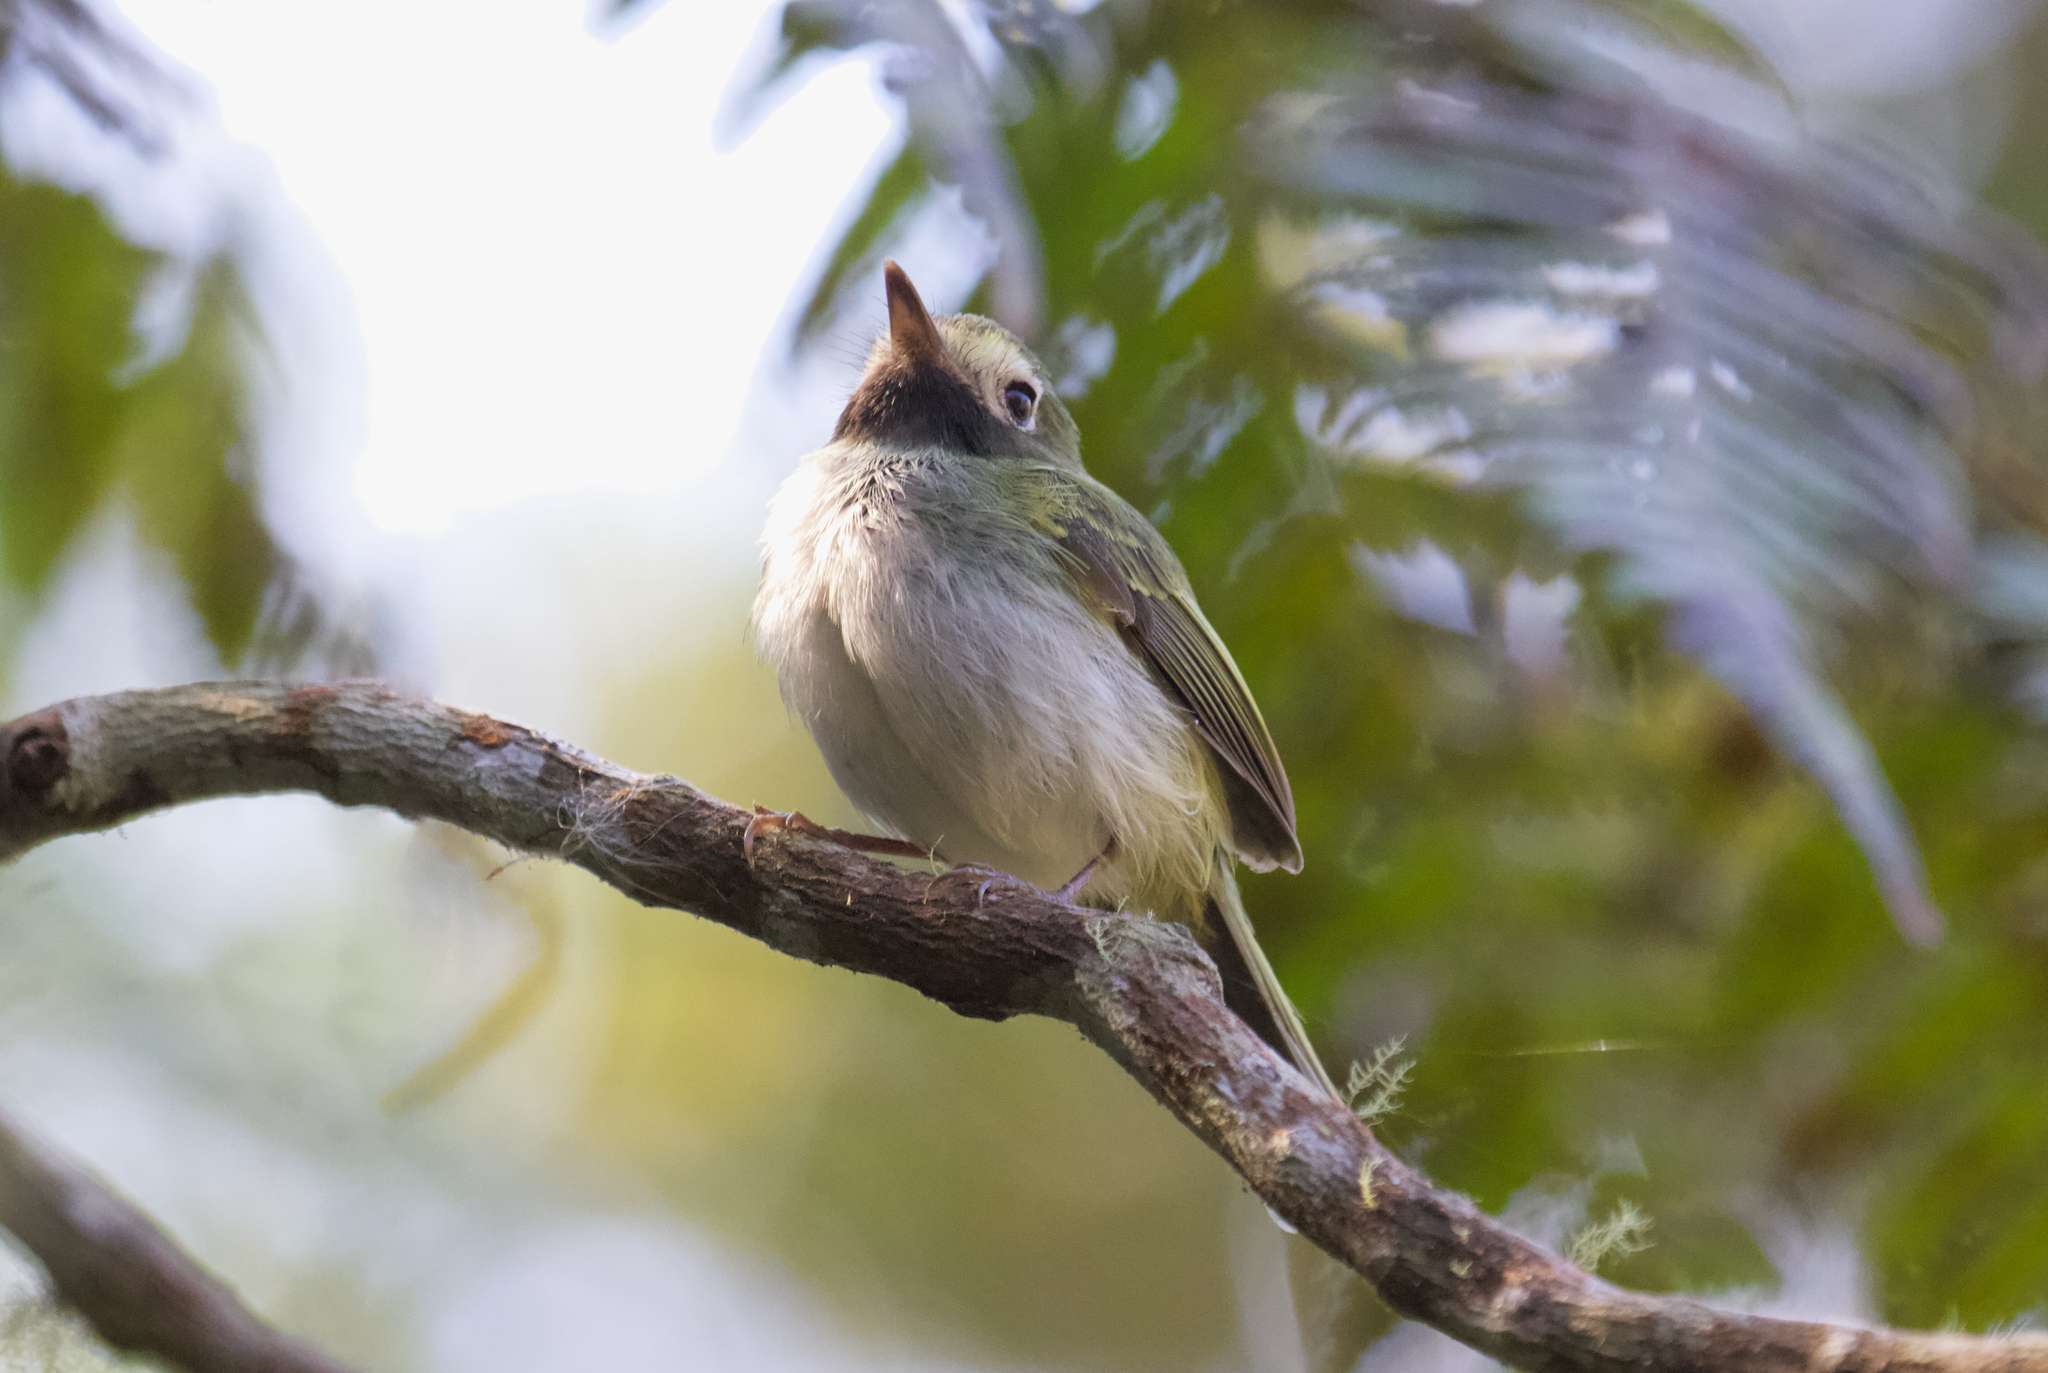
{"type": "Point", "coordinates": [1605, 434]}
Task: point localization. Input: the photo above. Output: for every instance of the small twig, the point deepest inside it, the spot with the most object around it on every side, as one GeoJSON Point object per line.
{"type": "Point", "coordinates": [134, 1285]}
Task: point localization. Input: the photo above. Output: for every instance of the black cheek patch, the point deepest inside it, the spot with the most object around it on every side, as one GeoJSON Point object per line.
{"type": "Point", "coordinates": [915, 407]}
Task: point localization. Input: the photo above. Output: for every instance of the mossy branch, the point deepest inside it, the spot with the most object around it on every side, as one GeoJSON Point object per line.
{"type": "Point", "coordinates": [1141, 991]}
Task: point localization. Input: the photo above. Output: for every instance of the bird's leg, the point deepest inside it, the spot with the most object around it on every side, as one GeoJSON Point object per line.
{"type": "Point", "coordinates": [774, 821]}
{"type": "Point", "coordinates": [766, 821]}
{"type": "Point", "coordinates": [1071, 888]}
{"type": "Point", "coordinates": [1068, 891]}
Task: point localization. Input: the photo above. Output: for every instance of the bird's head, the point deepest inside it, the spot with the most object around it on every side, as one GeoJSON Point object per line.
{"type": "Point", "coordinates": [960, 383]}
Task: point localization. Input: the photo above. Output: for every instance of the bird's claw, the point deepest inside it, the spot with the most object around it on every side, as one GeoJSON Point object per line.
{"type": "Point", "coordinates": [967, 872]}
{"type": "Point", "coordinates": [765, 821]}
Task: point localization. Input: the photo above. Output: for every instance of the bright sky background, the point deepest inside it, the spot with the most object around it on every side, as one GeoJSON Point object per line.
{"type": "Point", "coordinates": [519, 301]}
{"type": "Point", "coordinates": [559, 279]}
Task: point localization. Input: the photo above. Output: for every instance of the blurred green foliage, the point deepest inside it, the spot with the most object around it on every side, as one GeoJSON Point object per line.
{"type": "Point", "coordinates": [88, 418]}
{"type": "Point", "coordinates": [1629, 946]}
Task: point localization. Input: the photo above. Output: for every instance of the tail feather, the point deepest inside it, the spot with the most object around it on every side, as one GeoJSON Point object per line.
{"type": "Point", "coordinates": [1250, 987]}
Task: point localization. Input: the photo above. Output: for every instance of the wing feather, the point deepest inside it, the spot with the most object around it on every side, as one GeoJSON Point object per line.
{"type": "Point", "coordinates": [1127, 571]}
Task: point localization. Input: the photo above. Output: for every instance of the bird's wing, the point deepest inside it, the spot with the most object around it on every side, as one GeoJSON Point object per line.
{"type": "Point", "coordinates": [1125, 569]}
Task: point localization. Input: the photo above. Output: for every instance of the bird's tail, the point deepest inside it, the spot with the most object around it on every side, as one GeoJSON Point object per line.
{"type": "Point", "coordinates": [1249, 985]}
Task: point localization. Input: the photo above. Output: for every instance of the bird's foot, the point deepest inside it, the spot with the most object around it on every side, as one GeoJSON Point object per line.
{"type": "Point", "coordinates": [984, 878]}
{"type": "Point", "coordinates": [765, 821]}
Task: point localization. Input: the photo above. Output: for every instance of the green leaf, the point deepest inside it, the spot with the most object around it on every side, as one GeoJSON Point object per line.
{"type": "Point", "coordinates": [68, 285]}
{"type": "Point", "coordinates": [79, 422]}
{"type": "Point", "coordinates": [185, 441]}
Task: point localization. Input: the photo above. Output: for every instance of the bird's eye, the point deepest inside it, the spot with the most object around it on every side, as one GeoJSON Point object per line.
{"type": "Point", "coordinates": [1022, 402]}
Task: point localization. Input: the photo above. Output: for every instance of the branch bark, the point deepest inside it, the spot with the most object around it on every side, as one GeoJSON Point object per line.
{"type": "Point", "coordinates": [1140, 990]}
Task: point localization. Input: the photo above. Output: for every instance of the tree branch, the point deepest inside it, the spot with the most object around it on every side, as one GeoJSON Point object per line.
{"type": "Point", "coordinates": [115, 1267]}
{"type": "Point", "coordinates": [1140, 990]}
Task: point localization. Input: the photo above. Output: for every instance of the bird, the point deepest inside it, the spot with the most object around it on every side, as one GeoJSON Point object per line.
{"type": "Point", "coordinates": [1003, 662]}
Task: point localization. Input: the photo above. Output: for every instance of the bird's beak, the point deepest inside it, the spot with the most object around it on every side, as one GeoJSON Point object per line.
{"type": "Point", "coordinates": [913, 336]}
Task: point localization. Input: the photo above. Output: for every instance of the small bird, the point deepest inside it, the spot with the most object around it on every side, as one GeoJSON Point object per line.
{"type": "Point", "coordinates": [1003, 662]}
